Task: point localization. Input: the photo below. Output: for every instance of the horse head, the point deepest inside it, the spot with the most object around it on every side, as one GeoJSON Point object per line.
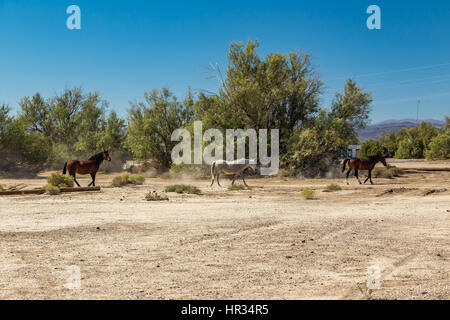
{"type": "Point", "coordinates": [253, 164]}
{"type": "Point", "coordinates": [106, 156]}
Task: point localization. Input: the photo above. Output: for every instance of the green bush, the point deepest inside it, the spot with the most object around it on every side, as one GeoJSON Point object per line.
{"type": "Point", "coordinates": [332, 187]}
{"type": "Point", "coordinates": [439, 148]}
{"type": "Point", "coordinates": [182, 188]}
{"type": "Point", "coordinates": [60, 180]}
{"type": "Point", "coordinates": [308, 193]}
{"type": "Point", "coordinates": [155, 196]}
{"type": "Point", "coordinates": [52, 190]}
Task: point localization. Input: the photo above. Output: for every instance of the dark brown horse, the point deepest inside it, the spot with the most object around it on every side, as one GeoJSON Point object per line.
{"type": "Point", "coordinates": [90, 166]}
{"type": "Point", "coordinates": [363, 164]}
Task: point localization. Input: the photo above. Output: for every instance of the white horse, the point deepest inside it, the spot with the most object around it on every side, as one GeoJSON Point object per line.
{"type": "Point", "coordinates": [236, 168]}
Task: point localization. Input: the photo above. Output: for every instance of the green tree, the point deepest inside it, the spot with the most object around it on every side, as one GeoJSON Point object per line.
{"type": "Point", "coordinates": [439, 147]}
{"type": "Point", "coordinates": [353, 105]}
{"type": "Point", "coordinates": [313, 150]}
{"type": "Point", "coordinates": [277, 92]}
{"type": "Point", "coordinates": [151, 124]}
{"type": "Point", "coordinates": [371, 147]}
{"type": "Point", "coordinates": [113, 135]}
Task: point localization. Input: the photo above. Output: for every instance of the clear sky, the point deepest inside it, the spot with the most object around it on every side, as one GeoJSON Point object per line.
{"type": "Point", "coordinates": [127, 47]}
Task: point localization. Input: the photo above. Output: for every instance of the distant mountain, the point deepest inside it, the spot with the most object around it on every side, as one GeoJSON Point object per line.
{"type": "Point", "coordinates": [373, 131]}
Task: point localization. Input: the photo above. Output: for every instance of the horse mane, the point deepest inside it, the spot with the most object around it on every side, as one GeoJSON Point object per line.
{"type": "Point", "coordinates": [378, 156]}
{"type": "Point", "coordinates": [97, 156]}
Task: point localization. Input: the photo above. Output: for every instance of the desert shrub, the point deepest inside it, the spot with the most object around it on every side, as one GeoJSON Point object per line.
{"type": "Point", "coordinates": [332, 187]}
{"type": "Point", "coordinates": [60, 180]}
{"type": "Point", "coordinates": [308, 193]}
{"type": "Point", "coordinates": [439, 148]}
{"type": "Point", "coordinates": [236, 187]}
{"type": "Point", "coordinates": [155, 196]}
{"type": "Point", "coordinates": [136, 179]}
{"type": "Point", "coordinates": [182, 188]}
{"type": "Point", "coordinates": [125, 178]}
{"type": "Point", "coordinates": [121, 180]}
{"type": "Point", "coordinates": [387, 172]}
{"type": "Point", "coordinates": [51, 189]}
{"type": "Point", "coordinates": [2, 187]}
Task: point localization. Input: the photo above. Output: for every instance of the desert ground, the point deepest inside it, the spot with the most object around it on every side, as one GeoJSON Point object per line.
{"type": "Point", "coordinates": [267, 242]}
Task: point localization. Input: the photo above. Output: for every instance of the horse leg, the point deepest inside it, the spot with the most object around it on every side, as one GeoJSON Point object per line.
{"type": "Point", "coordinates": [212, 180]}
{"type": "Point", "coordinates": [244, 180]}
{"type": "Point", "coordinates": [218, 182]}
{"type": "Point", "coordinates": [370, 176]}
{"type": "Point", "coordinates": [348, 173]}
{"type": "Point", "coordinates": [234, 178]}
{"type": "Point", "coordinates": [93, 180]}
{"type": "Point", "coordinates": [356, 175]}
{"type": "Point", "coordinates": [75, 180]}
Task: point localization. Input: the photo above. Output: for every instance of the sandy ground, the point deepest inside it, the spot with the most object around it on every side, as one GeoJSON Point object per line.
{"type": "Point", "coordinates": [263, 243]}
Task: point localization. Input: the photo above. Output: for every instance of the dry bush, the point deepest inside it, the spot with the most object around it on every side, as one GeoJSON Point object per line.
{"type": "Point", "coordinates": [182, 188]}
{"type": "Point", "coordinates": [125, 178]}
{"type": "Point", "coordinates": [51, 190]}
{"type": "Point", "coordinates": [155, 196]}
{"type": "Point", "coordinates": [236, 187]}
{"type": "Point", "coordinates": [332, 187]}
{"type": "Point", "coordinates": [387, 172]}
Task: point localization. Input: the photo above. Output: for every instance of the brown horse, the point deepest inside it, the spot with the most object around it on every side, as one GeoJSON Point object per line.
{"type": "Point", "coordinates": [90, 166]}
{"type": "Point", "coordinates": [363, 164]}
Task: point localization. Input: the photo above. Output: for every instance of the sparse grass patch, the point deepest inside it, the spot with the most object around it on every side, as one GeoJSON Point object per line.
{"type": "Point", "coordinates": [308, 193]}
{"type": "Point", "coordinates": [236, 187]}
{"type": "Point", "coordinates": [332, 187]}
{"type": "Point", "coordinates": [155, 196]}
{"type": "Point", "coordinates": [52, 190]}
{"type": "Point", "coordinates": [387, 172]}
{"type": "Point", "coordinates": [60, 180]}
{"type": "Point", "coordinates": [125, 178]}
{"type": "Point", "coordinates": [182, 188]}
{"type": "Point", "coordinates": [2, 187]}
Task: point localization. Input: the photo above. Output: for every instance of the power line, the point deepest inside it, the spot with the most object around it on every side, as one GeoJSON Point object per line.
{"type": "Point", "coordinates": [438, 95]}
{"type": "Point", "coordinates": [403, 83]}
{"type": "Point", "coordinates": [412, 84]}
{"type": "Point", "coordinates": [392, 71]}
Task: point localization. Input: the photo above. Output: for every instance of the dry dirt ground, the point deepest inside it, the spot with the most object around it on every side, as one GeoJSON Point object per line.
{"type": "Point", "coordinates": [264, 243]}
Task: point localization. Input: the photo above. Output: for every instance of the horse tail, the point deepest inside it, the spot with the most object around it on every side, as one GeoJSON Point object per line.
{"type": "Point", "coordinates": [65, 168]}
{"type": "Point", "coordinates": [213, 166]}
{"type": "Point", "coordinates": [345, 163]}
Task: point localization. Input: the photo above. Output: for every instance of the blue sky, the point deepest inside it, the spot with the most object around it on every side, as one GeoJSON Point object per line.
{"type": "Point", "coordinates": [127, 47]}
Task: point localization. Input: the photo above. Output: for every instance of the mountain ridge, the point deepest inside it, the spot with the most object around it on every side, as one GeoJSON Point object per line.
{"type": "Point", "coordinates": [373, 131]}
